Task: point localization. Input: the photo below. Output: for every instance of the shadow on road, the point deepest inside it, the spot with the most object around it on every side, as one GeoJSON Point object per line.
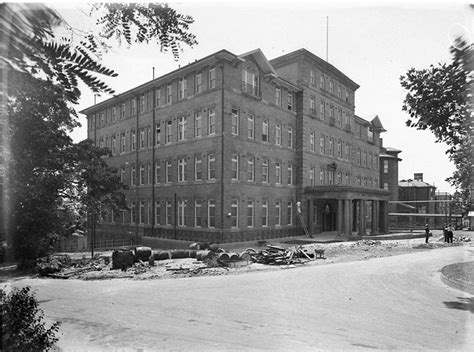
{"type": "Point", "coordinates": [464, 303]}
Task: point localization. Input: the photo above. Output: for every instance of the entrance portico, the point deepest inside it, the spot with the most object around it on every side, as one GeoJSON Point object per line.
{"type": "Point", "coordinates": [346, 210]}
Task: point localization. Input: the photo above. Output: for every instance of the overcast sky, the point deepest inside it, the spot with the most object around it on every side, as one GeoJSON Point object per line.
{"type": "Point", "coordinates": [372, 44]}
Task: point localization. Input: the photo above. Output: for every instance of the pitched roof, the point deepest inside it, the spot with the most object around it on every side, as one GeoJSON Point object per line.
{"type": "Point", "coordinates": [378, 124]}
{"type": "Point", "coordinates": [414, 183]}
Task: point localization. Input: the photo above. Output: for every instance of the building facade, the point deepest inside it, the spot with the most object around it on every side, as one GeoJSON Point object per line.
{"type": "Point", "coordinates": [236, 147]}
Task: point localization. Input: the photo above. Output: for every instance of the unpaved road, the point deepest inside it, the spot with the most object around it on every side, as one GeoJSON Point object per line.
{"type": "Point", "coordinates": [393, 302]}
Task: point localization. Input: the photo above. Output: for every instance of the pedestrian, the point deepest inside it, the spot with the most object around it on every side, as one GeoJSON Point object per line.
{"type": "Point", "coordinates": [427, 233]}
{"type": "Point", "coordinates": [450, 234]}
{"type": "Point", "coordinates": [445, 233]}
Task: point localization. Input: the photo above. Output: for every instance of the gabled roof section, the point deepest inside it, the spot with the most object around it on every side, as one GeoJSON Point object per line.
{"type": "Point", "coordinates": [414, 183]}
{"type": "Point", "coordinates": [285, 59]}
{"type": "Point", "coordinates": [261, 60]}
{"type": "Point", "coordinates": [378, 124]}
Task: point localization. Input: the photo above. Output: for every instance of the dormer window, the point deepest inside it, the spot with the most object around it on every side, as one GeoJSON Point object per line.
{"type": "Point", "coordinates": [250, 82]}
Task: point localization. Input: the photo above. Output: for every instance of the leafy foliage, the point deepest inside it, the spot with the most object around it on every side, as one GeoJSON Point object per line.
{"type": "Point", "coordinates": [23, 328]}
{"type": "Point", "coordinates": [31, 46]}
{"type": "Point", "coordinates": [51, 175]}
{"type": "Point", "coordinates": [438, 100]}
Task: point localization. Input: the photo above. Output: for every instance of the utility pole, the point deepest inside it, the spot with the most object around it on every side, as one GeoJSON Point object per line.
{"type": "Point", "coordinates": [327, 38]}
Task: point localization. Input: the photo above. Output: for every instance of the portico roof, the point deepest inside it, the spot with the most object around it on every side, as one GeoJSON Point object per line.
{"type": "Point", "coordinates": [348, 192]}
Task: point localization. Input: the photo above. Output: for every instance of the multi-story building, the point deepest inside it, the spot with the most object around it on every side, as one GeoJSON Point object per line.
{"type": "Point", "coordinates": [234, 147]}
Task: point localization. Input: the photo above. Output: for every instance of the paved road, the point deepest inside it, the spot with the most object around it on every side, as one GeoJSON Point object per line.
{"type": "Point", "coordinates": [385, 303]}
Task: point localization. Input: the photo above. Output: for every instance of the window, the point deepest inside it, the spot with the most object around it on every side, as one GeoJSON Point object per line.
{"type": "Point", "coordinates": [158, 134]}
{"type": "Point", "coordinates": [289, 214]}
{"type": "Point", "coordinates": [122, 143]}
{"type": "Point", "coordinates": [311, 76]}
{"type": "Point", "coordinates": [339, 93]}
{"type": "Point", "coordinates": [250, 126]}
{"type": "Point", "coordinates": [277, 213]}
{"type": "Point", "coordinates": [278, 96]}
{"type": "Point", "coordinates": [321, 82]}
{"type": "Point", "coordinates": [169, 126]}
{"type": "Point", "coordinates": [182, 169]}
{"type": "Point", "coordinates": [290, 101]}
{"type": "Point", "coordinates": [339, 148]}
{"type": "Point", "coordinates": [211, 213]}
{"type": "Point", "coordinates": [339, 178]}
{"type": "Point", "coordinates": [181, 212]}
{"type": "Point", "coordinates": [385, 166]}
{"type": "Point", "coordinates": [168, 213]}
{"type": "Point", "coordinates": [212, 78]}
{"type": "Point", "coordinates": [211, 167]}
{"type": "Point", "coordinates": [264, 213]}
{"type": "Point", "coordinates": [250, 82]}
{"type": "Point", "coordinates": [211, 121]}
{"type": "Point", "coordinates": [290, 174]}
{"type": "Point", "coordinates": [182, 123]}
{"type": "Point", "coordinates": [142, 138]}
{"type": "Point", "coordinates": [133, 213]}
{"type": "Point", "coordinates": [133, 144]}
{"type": "Point", "coordinates": [331, 146]}
{"type": "Point", "coordinates": [312, 105]}
{"type": "Point", "coordinates": [158, 97]}
{"type": "Point", "coordinates": [311, 142]}
{"type": "Point", "coordinates": [347, 151]}
{"type": "Point", "coordinates": [370, 134]}
{"type": "Point", "coordinates": [169, 94]}
{"type": "Point", "coordinates": [114, 144]}
{"type": "Point", "coordinates": [142, 103]}
{"type": "Point", "coordinates": [321, 109]}
{"type": "Point", "coordinates": [182, 88]}
{"type": "Point", "coordinates": [364, 158]}
{"type": "Point", "coordinates": [122, 111]}
{"type": "Point", "coordinates": [339, 118]}
{"type": "Point", "coordinates": [235, 122]}
{"type": "Point", "coordinates": [234, 213]}
{"type": "Point", "coordinates": [331, 87]}
{"type": "Point", "coordinates": [168, 172]}
{"type": "Point", "coordinates": [198, 83]}
{"type": "Point", "coordinates": [346, 95]}
{"type": "Point", "coordinates": [157, 172]}
{"type": "Point", "coordinates": [321, 176]}
{"type": "Point", "coordinates": [197, 213]}
{"type": "Point", "coordinates": [157, 213]}
{"type": "Point", "coordinates": [149, 136]}
{"type": "Point", "coordinates": [133, 175]}
{"type": "Point", "coordinates": [321, 144]}
{"type": "Point", "coordinates": [251, 169]}
{"type": "Point", "coordinates": [122, 174]}
{"type": "Point", "coordinates": [290, 137]}
{"type": "Point", "coordinates": [141, 218]}
{"type": "Point", "coordinates": [358, 158]}
{"type": "Point", "coordinates": [250, 213]}
{"type": "Point", "coordinates": [278, 134]}
{"type": "Point", "coordinates": [114, 113]}
{"type": "Point", "coordinates": [197, 124]}
{"type": "Point", "coordinates": [197, 168]}
{"type": "Point", "coordinates": [277, 173]}
{"type": "Point", "coordinates": [311, 176]}
{"type": "Point", "coordinates": [148, 173]}
{"type": "Point", "coordinates": [142, 174]}
{"type": "Point", "coordinates": [235, 166]}
{"type": "Point", "coordinates": [265, 131]}
{"type": "Point", "coordinates": [385, 186]}
{"type": "Point", "coordinates": [265, 171]}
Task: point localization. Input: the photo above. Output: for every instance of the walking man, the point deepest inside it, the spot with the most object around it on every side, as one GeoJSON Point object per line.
{"type": "Point", "coordinates": [427, 233]}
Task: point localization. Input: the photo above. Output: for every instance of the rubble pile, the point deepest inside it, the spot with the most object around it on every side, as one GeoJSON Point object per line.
{"type": "Point", "coordinates": [461, 239]}
{"type": "Point", "coordinates": [274, 255]}
{"type": "Point", "coordinates": [52, 264]}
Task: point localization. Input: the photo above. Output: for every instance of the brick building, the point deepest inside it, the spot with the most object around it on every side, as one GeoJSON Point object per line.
{"type": "Point", "coordinates": [225, 148]}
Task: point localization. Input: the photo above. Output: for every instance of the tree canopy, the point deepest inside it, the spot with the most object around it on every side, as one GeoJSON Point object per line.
{"type": "Point", "coordinates": [438, 100]}
{"type": "Point", "coordinates": [48, 174]}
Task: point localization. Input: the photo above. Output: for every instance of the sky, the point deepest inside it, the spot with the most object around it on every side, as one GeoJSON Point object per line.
{"type": "Point", "coordinates": [372, 44]}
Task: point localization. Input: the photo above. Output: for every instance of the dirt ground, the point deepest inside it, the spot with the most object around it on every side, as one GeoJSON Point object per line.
{"type": "Point", "coordinates": [338, 252]}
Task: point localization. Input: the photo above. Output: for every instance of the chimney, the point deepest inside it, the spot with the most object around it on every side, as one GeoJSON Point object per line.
{"type": "Point", "coordinates": [418, 177]}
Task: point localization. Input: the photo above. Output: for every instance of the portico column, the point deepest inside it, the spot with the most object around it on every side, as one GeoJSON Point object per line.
{"type": "Point", "coordinates": [373, 228]}
{"type": "Point", "coordinates": [347, 217]}
{"type": "Point", "coordinates": [339, 216]}
{"type": "Point", "coordinates": [362, 217]}
{"type": "Point", "coordinates": [383, 216]}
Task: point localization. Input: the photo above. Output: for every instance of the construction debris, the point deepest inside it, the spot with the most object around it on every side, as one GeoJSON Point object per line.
{"type": "Point", "coordinates": [274, 255]}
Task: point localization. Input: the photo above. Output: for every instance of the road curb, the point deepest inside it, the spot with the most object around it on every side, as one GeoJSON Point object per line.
{"type": "Point", "coordinates": [466, 286]}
